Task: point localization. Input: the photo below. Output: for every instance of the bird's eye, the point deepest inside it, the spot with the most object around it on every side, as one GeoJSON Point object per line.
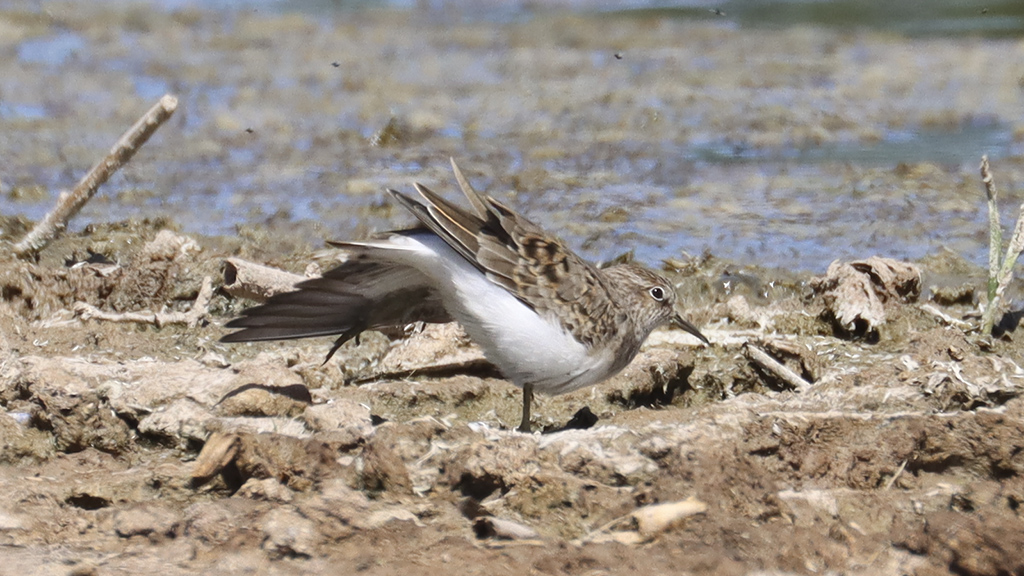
{"type": "Point", "coordinates": [658, 293]}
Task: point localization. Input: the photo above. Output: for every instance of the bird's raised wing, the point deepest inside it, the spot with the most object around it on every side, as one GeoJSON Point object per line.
{"type": "Point", "coordinates": [519, 256]}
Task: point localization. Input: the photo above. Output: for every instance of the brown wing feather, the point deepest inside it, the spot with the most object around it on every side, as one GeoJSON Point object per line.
{"type": "Point", "coordinates": [518, 255]}
{"type": "Point", "coordinates": [474, 197]}
{"type": "Point", "coordinates": [552, 278]}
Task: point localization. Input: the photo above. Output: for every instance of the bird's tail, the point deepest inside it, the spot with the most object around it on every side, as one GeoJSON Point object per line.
{"type": "Point", "coordinates": [365, 292]}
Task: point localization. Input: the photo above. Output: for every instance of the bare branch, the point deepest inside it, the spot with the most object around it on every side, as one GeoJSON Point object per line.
{"type": "Point", "coordinates": [764, 361]}
{"type": "Point", "coordinates": [69, 204]}
{"type": "Point", "coordinates": [199, 310]}
{"type": "Point", "coordinates": [965, 326]}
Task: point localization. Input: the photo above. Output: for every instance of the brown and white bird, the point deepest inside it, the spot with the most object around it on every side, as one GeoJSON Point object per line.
{"type": "Point", "coordinates": [547, 319]}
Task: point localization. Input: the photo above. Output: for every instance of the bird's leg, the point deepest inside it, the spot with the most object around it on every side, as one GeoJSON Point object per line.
{"type": "Point", "coordinates": [524, 426]}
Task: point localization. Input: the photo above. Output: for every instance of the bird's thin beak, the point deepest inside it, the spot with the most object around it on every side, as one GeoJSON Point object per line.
{"type": "Point", "coordinates": [678, 320]}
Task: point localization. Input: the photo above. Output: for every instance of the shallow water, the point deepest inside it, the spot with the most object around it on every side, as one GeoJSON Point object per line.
{"type": "Point", "coordinates": [1002, 18]}
{"type": "Point", "coordinates": [668, 131]}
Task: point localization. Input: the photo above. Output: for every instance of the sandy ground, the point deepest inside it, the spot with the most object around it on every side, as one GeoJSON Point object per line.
{"type": "Point", "coordinates": [901, 455]}
{"type": "Point", "coordinates": [897, 447]}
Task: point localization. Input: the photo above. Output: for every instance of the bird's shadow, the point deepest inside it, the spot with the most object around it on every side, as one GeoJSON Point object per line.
{"type": "Point", "coordinates": [583, 419]}
{"type": "Point", "coordinates": [1008, 323]}
{"type": "Point", "coordinates": [297, 392]}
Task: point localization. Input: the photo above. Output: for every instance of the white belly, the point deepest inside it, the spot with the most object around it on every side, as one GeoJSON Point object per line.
{"type": "Point", "coordinates": [525, 347]}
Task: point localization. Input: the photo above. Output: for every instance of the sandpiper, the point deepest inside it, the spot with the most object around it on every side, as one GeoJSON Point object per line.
{"type": "Point", "coordinates": [547, 319]}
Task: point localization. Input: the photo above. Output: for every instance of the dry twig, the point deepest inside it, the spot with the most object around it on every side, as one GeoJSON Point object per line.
{"type": "Point", "coordinates": [903, 466]}
{"type": "Point", "coordinates": [69, 204]}
{"type": "Point", "coordinates": [965, 326]}
{"type": "Point", "coordinates": [199, 310]}
{"type": "Point", "coordinates": [764, 361]}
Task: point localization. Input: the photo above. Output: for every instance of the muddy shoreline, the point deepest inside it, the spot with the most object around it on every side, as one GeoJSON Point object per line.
{"type": "Point", "coordinates": [895, 444]}
{"type": "Point", "coordinates": [899, 456]}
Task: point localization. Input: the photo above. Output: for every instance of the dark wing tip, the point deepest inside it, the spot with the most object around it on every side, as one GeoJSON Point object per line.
{"type": "Point", "coordinates": [412, 205]}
